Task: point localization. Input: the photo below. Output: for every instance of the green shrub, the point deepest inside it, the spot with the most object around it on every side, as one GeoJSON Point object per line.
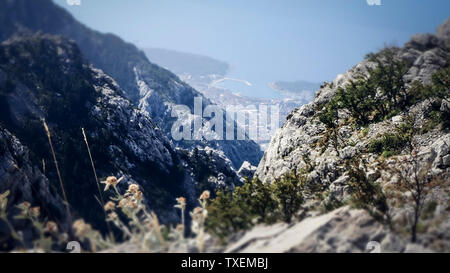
{"type": "Point", "coordinates": [366, 194]}
{"type": "Point", "coordinates": [331, 203]}
{"type": "Point", "coordinates": [440, 84]}
{"type": "Point", "coordinates": [230, 212]}
{"type": "Point", "coordinates": [365, 132]}
{"type": "Point", "coordinates": [329, 114]}
{"type": "Point", "coordinates": [436, 92]}
{"type": "Point", "coordinates": [381, 93]}
{"type": "Point", "coordinates": [329, 117]}
{"type": "Point", "coordinates": [288, 194]}
{"type": "Point", "coordinates": [361, 96]}
{"type": "Point", "coordinates": [387, 154]}
{"type": "Point", "coordinates": [429, 209]}
{"type": "Point", "coordinates": [440, 89]}
{"type": "Point", "coordinates": [226, 216]}
{"type": "Point", "coordinates": [358, 97]}
{"type": "Point", "coordinates": [433, 120]}
{"type": "Point", "coordinates": [389, 144]}
{"type": "Point", "coordinates": [387, 77]}
{"type": "Point", "coordinates": [254, 202]}
{"type": "Point", "coordinates": [258, 199]}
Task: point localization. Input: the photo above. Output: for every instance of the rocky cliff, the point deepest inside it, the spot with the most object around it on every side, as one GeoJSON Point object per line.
{"type": "Point", "coordinates": [425, 53]}
{"type": "Point", "coordinates": [46, 77]}
{"type": "Point", "coordinates": [25, 182]}
{"type": "Point", "coordinates": [339, 154]}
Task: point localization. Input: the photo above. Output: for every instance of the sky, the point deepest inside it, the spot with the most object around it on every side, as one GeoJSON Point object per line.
{"type": "Point", "coordinates": [267, 40]}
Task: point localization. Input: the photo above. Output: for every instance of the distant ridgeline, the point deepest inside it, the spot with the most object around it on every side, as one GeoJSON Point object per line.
{"type": "Point", "coordinates": [186, 63]}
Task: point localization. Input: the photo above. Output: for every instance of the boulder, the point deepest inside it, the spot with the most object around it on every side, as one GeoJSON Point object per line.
{"type": "Point", "coordinates": [247, 170]}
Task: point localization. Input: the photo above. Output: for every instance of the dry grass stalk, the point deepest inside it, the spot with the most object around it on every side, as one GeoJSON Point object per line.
{"type": "Point", "coordinates": [57, 170]}
{"type": "Point", "coordinates": [102, 200]}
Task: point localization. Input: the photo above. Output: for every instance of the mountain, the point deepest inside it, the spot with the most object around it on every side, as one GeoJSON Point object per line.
{"type": "Point", "coordinates": [46, 77]}
{"type": "Point", "coordinates": [148, 86]}
{"type": "Point", "coordinates": [371, 154]}
{"type": "Point", "coordinates": [424, 54]}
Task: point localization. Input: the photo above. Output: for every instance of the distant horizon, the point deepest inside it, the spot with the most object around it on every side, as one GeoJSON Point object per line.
{"type": "Point", "coordinates": [266, 41]}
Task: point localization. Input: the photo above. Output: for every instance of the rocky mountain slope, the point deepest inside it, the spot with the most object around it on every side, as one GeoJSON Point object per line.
{"type": "Point", "coordinates": [34, 187]}
{"type": "Point", "coordinates": [372, 160]}
{"type": "Point", "coordinates": [46, 77]}
{"type": "Point", "coordinates": [426, 53]}
{"type": "Point", "coordinates": [147, 85]}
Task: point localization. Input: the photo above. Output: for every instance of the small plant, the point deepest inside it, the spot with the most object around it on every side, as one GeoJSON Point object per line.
{"type": "Point", "coordinates": [226, 216]}
{"type": "Point", "coordinates": [388, 79]}
{"type": "Point", "coordinates": [94, 171]}
{"type": "Point", "coordinates": [127, 212]}
{"type": "Point", "coordinates": [231, 212]}
{"type": "Point", "coordinates": [199, 215]}
{"type": "Point", "coordinates": [139, 225]}
{"type": "Point", "coordinates": [365, 131]}
{"type": "Point", "coordinates": [429, 209]}
{"type": "Point", "coordinates": [330, 202]}
{"type": "Point", "coordinates": [4, 217]}
{"type": "Point", "coordinates": [389, 144]}
{"type": "Point", "coordinates": [288, 194]}
{"type": "Point", "coordinates": [329, 117]}
{"type": "Point", "coordinates": [416, 180]}
{"type": "Point", "coordinates": [366, 194]}
{"type": "Point", "coordinates": [47, 235]}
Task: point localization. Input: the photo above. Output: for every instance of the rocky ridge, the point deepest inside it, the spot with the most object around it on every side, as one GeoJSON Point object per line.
{"type": "Point", "coordinates": [297, 147]}
{"type": "Point", "coordinates": [46, 77]}
{"type": "Point", "coordinates": [302, 130]}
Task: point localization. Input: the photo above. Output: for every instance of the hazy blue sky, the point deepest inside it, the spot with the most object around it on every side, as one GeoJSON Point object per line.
{"type": "Point", "coordinates": [266, 40]}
